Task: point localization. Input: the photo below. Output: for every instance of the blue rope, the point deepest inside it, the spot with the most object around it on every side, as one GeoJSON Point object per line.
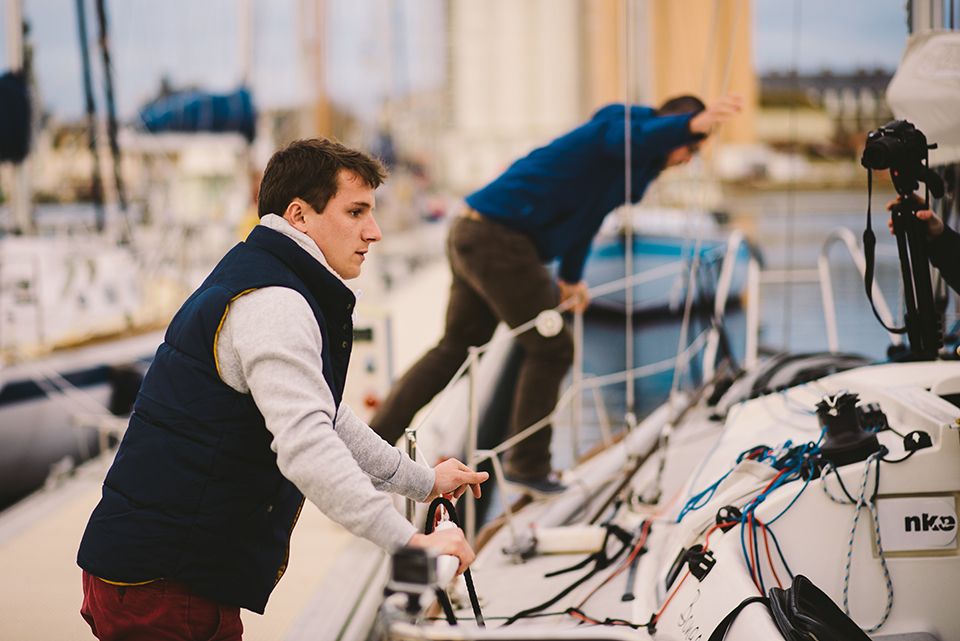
{"type": "Point", "coordinates": [700, 499]}
{"type": "Point", "coordinates": [743, 545]}
{"type": "Point", "coordinates": [792, 465]}
{"type": "Point", "coordinates": [788, 459]}
{"type": "Point", "coordinates": [703, 497]}
{"type": "Point", "coordinates": [783, 559]}
{"type": "Point", "coordinates": [790, 504]}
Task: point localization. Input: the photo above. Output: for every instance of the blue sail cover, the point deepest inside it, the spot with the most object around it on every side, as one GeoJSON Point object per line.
{"type": "Point", "coordinates": [194, 111]}
{"type": "Point", "coordinates": [14, 117]}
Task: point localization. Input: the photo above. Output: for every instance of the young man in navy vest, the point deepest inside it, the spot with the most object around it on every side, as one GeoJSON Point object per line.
{"type": "Point", "coordinates": [547, 205]}
{"type": "Point", "coordinates": [240, 419]}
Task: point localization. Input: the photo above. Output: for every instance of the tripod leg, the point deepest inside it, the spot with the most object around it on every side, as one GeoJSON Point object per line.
{"type": "Point", "coordinates": [901, 219]}
{"type": "Point", "coordinates": [927, 316]}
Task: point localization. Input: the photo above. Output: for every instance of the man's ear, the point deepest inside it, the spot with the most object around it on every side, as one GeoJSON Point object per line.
{"type": "Point", "coordinates": [295, 214]}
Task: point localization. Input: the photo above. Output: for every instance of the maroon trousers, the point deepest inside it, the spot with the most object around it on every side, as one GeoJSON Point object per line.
{"type": "Point", "coordinates": [158, 611]}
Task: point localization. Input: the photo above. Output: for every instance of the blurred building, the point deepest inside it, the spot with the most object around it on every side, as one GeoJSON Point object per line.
{"type": "Point", "coordinates": [523, 71]}
{"type": "Point", "coordinates": [823, 109]}
{"type": "Point", "coordinates": [810, 129]}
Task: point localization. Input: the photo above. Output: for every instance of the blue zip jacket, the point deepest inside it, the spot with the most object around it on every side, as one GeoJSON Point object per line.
{"type": "Point", "coordinates": [194, 493]}
{"type": "Point", "coordinates": [558, 195]}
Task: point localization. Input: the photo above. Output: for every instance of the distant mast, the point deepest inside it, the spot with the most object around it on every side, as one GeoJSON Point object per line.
{"type": "Point", "coordinates": [18, 184]}
{"type": "Point", "coordinates": [110, 103]}
{"type": "Point", "coordinates": [245, 33]}
{"type": "Point", "coordinates": [96, 187]}
{"type": "Point", "coordinates": [315, 119]}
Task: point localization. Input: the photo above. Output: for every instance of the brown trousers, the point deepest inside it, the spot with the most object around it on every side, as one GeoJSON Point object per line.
{"type": "Point", "coordinates": [497, 276]}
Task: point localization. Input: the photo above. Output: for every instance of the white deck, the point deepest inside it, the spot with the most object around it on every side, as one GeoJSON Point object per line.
{"type": "Point", "coordinates": [814, 534]}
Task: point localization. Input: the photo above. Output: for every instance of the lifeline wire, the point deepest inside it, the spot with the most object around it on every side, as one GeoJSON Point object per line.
{"type": "Point", "coordinates": [792, 193]}
{"type": "Point", "coordinates": [628, 212]}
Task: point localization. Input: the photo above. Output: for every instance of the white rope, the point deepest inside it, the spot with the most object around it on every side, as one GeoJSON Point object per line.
{"type": "Point", "coordinates": [861, 502]}
{"type": "Point", "coordinates": [871, 505]}
{"type": "Point", "coordinates": [616, 285]}
{"type": "Point", "coordinates": [600, 381]}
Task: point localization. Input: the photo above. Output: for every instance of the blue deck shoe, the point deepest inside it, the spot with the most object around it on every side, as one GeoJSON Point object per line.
{"type": "Point", "coordinates": [537, 488]}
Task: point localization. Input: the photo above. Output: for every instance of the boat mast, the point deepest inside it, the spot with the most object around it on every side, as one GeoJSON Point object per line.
{"type": "Point", "coordinates": [316, 117]}
{"type": "Point", "coordinates": [245, 38]}
{"type": "Point", "coordinates": [96, 187]}
{"type": "Point", "coordinates": [110, 105]}
{"type": "Point", "coordinates": [20, 196]}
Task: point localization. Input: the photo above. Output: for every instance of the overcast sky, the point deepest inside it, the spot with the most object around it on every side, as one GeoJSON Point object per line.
{"type": "Point", "coordinates": [833, 34]}
{"type": "Point", "coordinates": [196, 42]}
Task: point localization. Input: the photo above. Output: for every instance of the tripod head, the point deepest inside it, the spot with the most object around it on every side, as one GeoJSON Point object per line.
{"type": "Point", "coordinates": [903, 149]}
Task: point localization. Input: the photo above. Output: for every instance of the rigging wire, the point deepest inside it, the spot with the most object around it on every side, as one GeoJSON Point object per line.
{"type": "Point", "coordinates": [711, 44]}
{"type": "Point", "coordinates": [792, 185]}
{"type": "Point", "coordinates": [630, 416]}
{"type": "Point", "coordinates": [793, 463]}
{"type": "Point", "coordinates": [692, 288]}
{"type": "Point", "coordinates": [681, 367]}
{"type": "Point", "coordinates": [728, 65]}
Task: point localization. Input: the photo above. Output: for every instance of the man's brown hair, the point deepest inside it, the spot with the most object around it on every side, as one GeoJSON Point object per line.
{"type": "Point", "coordinates": [681, 105]}
{"type": "Point", "coordinates": [309, 169]}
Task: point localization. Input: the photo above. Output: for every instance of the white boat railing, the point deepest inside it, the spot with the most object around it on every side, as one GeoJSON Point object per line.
{"type": "Point", "coordinates": [845, 236]}
{"type": "Point", "coordinates": [755, 278]}
{"type": "Point", "coordinates": [735, 244]}
{"type": "Point", "coordinates": [708, 341]}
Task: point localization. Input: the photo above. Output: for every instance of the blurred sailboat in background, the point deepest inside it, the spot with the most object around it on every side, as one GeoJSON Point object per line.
{"type": "Point", "coordinates": [85, 289]}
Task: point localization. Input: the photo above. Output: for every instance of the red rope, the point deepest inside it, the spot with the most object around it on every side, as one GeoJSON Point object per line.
{"type": "Point", "coordinates": [714, 528]}
{"type": "Point", "coordinates": [673, 593]}
{"type": "Point", "coordinates": [644, 533]}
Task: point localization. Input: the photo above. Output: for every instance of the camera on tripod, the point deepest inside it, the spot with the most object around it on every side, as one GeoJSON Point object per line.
{"type": "Point", "coordinates": [902, 148]}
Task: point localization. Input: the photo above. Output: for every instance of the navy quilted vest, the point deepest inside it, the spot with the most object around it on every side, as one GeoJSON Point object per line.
{"type": "Point", "coordinates": [195, 494]}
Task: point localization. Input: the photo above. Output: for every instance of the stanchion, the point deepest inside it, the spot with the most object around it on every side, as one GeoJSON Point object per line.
{"type": "Point", "coordinates": [473, 418]}
{"type": "Point", "coordinates": [411, 435]}
{"type": "Point", "coordinates": [576, 408]}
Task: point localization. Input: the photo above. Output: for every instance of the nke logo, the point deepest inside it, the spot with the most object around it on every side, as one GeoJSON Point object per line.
{"type": "Point", "coordinates": [929, 523]}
